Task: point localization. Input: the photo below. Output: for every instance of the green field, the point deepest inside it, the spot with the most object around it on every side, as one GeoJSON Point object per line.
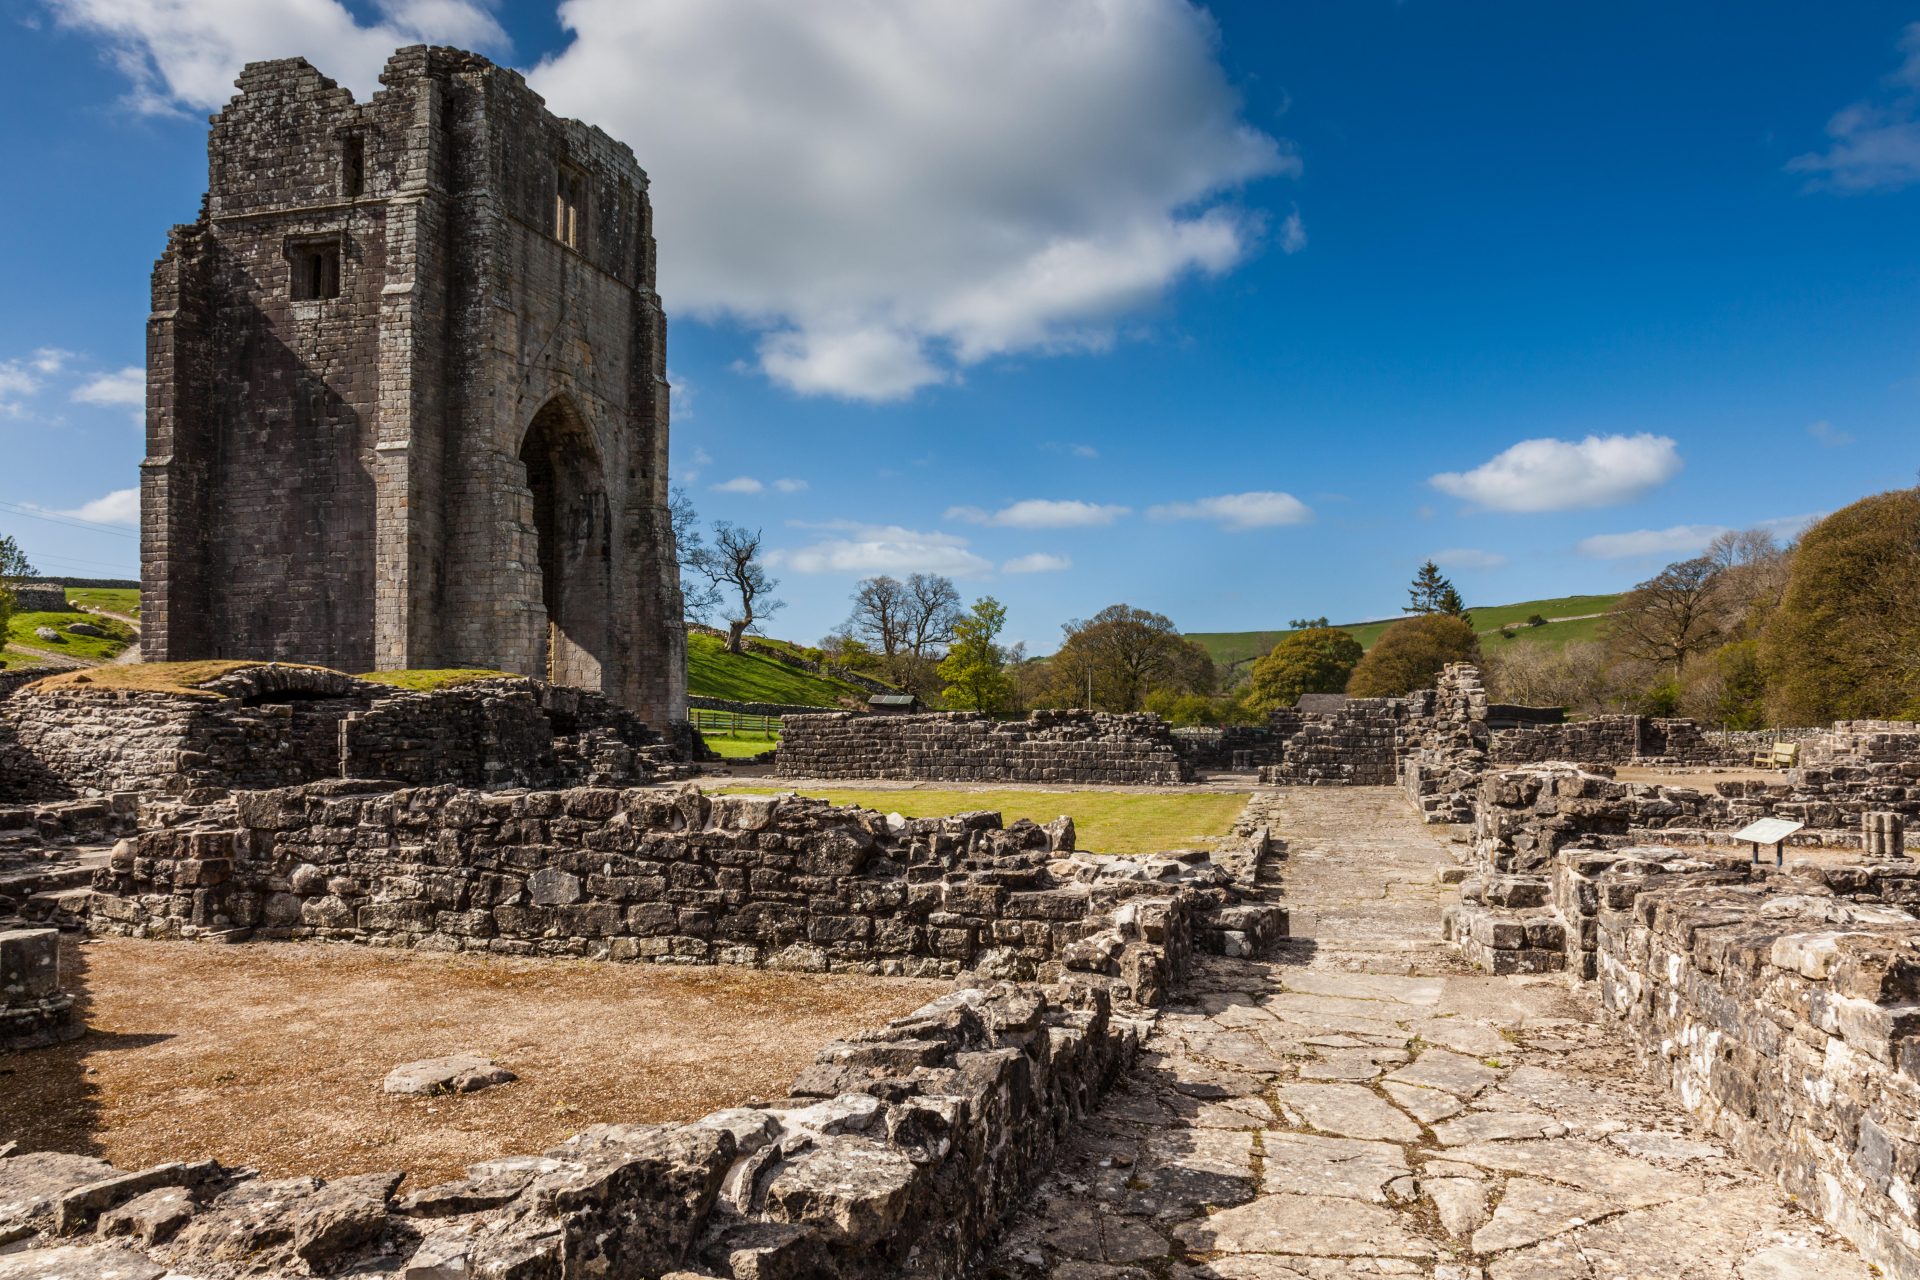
{"type": "Point", "coordinates": [739, 746]}
{"type": "Point", "coordinates": [113, 599]}
{"type": "Point", "coordinates": [1104, 821]}
{"type": "Point", "coordinates": [87, 648]}
{"type": "Point", "coordinates": [1235, 650]}
{"type": "Point", "coordinates": [712, 672]}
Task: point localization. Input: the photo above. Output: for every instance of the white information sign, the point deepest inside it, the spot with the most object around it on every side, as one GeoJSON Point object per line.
{"type": "Point", "coordinates": [1768, 831]}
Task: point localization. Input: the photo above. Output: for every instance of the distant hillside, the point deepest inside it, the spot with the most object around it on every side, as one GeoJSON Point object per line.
{"type": "Point", "coordinates": [712, 672]}
{"type": "Point", "coordinates": [1234, 651]}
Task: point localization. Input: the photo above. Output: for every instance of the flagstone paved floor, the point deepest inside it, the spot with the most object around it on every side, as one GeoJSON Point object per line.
{"type": "Point", "coordinates": [1362, 1105]}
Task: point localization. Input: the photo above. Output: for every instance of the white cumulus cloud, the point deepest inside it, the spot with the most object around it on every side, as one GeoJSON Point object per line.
{"type": "Point", "coordinates": [1037, 562]}
{"type": "Point", "coordinates": [1468, 558]}
{"type": "Point", "coordinates": [1293, 234]}
{"type": "Point", "coordinates": [890, 192]}
{"type": "Point", "coordinates": [864, 549]}
{"type": "Point", "coordinates": [1566, 475]}
{"type": "Point", "coordinates": [739, 484]}
{"type": "Point", "coordinates": [787, 484]}
{"type": "Point", "coordinates": [886, 192]}
{"type": "Point", "coordinates": [1042, 513]}
{"type": "Point", "coordinates": [1258, 510]}
{"type": "Point", "coordinates": [122, 506]}
{"type": "Point", "coordinates": [1875, 143]}
{"type": "Point", "coordinates": [127, 386]}
{"type": "Point", "coordinates": [186, 53]}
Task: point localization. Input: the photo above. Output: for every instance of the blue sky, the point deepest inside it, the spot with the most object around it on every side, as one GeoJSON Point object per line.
{"type": "Point", "coordinates": [1234, 313]}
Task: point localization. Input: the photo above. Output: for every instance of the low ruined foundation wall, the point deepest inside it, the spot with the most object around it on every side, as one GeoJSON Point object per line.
{"type": "Point", "coordinates": [670, 876]}
{"type": "Point", "coordinates": [1356, 746]}
{"type": "Point", "coordinates": [1617, 739]}
{"type": "Point", "coordinates": [898, 1152]}
{"type": "Point", "coordinates": [1082, 747]}
{"type": "Point", "coordinates": [1780, 1012]}
{"type": "Point", "coordinates": [280, 726]}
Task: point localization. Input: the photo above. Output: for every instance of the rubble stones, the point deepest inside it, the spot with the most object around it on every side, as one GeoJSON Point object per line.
{"type": "Point", "coordinates": [454, 1073]}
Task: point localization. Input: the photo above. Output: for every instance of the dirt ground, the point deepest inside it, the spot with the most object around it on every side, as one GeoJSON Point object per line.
{"type": "Point", "coordinates": [1700, 779]}
{"type": "Point", "coordinates": [272, 1054]}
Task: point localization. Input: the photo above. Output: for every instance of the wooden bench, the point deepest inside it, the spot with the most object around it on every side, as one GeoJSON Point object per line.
{"type": "Point", "coordinates": [1781, 755]}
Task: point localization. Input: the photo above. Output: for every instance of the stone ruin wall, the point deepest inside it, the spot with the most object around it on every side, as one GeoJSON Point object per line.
{"type": "Point", "coordinates": [1618, 739]}
{"type": "Point", "coordinates": [670, 876]}
{"type": "Point", "coordinates": [275, 726]}
{"type": "Point", "coordinates": [899, 1150]}
{"type": "Point", "coordinates": [1777, 1005]}
{"type": "Point", "coordinates": [41, 597]}
{"type": "Point", "coordinates": [1083, 747]}
{"type": "Point", "coordinates": [1356, 746]}
{"type": "Point", "coordinates": [897, 1154]}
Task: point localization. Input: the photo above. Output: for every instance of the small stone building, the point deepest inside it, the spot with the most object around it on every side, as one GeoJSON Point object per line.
{"type": "Point", "coordinates": [407, 403]}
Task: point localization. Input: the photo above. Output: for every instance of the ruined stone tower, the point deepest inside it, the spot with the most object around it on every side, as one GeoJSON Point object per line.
{"type": "Point", "coordinates": [407, 403]}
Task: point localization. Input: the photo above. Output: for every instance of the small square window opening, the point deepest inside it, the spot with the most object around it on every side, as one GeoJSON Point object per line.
{"type": "Point", "coordinates": [315, 269]}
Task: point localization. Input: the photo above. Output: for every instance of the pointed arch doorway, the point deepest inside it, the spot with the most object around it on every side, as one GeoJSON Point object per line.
{"type": "Point", "coordinates": [574, 534]}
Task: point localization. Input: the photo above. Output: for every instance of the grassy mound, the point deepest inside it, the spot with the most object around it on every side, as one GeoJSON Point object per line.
{"type": "Point", "coordinates": [712, 672]}
{"type": "Point", "coordinates": [182, 678]}
{"type": "Point", "coordinates": [113, 599]}
{"type": "Point", "coordinates": [427, 679]}
{"type": "Point", "coordinates": [87, 648]}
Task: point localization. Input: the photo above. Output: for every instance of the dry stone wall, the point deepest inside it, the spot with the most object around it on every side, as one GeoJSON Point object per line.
{"type": "Point", "coordinates": [1616, 739]}
{"type": "Point", "coordinates": [1355, 746]}
{"type": "Point", "coordinates": [671, 876]}
{"type": "Point", "coordinates": [1779, 1009]}
{"type": "Point", "coordinates": [967, 746]}
{"type": "Point", "coordinates": [275, 726]}
{"type": "Point", "coordinates": [897, 1155]}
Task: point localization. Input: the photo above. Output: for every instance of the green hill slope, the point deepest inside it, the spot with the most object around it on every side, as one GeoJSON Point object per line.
{"type": "Point", "coordinates": [1235, 650]}
{"type": "Point", "coordinates": [712, 672]}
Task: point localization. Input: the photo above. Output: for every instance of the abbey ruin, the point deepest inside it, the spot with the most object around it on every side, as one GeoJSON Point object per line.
{"type": "Point", "coordinates": [1444, 989]}
{"type": "Point", "coordinates": [407, 398]}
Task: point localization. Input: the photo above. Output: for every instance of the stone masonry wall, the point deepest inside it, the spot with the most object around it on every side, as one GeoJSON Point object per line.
{"type": "Point", "coordinates": [966, 746]}
{"type": "Point", "coordinates": [672, 876]}
{"type": "Point", "coordinates": [1616, 739]}
{"type": "Point", "coordinates": [897, 1154]}
{"type": "Point", "coordinates": [1779, 1009]}
{"type": "Point", "coordinates": [1356, 746]}
{"type": "Point", "coordinates": [276, 726]}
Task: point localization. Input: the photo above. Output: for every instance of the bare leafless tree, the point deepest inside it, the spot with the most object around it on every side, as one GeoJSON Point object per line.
{"type": "Point", "coordinates": [1671, 616]}
{"type": "Point", "coordinates": [879, 614]}
{"type": "Point", "coordinates": [732, 568]}
{"type": "Point", "coordinates": [932, 609]}
{"type": "Point", "coordinates": [698, 597]}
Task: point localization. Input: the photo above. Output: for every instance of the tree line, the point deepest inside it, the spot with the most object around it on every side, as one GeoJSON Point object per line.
{"type": "Point", "coordinates": [1749, 633]}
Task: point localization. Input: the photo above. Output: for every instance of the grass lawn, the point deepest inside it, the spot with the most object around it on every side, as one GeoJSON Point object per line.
{"type": "Point", "coordinates": [1104, 821]}
{"type": "Point", "coordinates": [427, 679]}
{"type": "Point", "coordinates": [712, 672]}
{"type": "Point", "coordinates": [113, 599]}
{"type": "Point", "coordinates": [92, 648]}
{"type": "Point", "coordinates": [740, 748]}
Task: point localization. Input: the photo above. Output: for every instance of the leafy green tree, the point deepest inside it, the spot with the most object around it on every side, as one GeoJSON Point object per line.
{"type": "Point", "coordinates": [1115, 659]}
{"type": "Point", "coordinates": [1317, 660]}
{"type": "Point", "coordinates": [1410, 654]}
{"type": "Point", "coordinates": [1308, 624]}
{"type": "Point", "coordinates": [975, 668]}
{"type": "Point", "coordinates": [1844, 641]}
{"type": "Point", "coordinates": [1450, 603]}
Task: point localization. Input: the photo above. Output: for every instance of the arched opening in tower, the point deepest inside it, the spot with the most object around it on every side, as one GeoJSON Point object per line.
{"type": "Point", "coordinates": [574, 532]}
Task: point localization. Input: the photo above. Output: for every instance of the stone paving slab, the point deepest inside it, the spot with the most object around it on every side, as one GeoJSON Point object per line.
{"type": "Point", "coordinates": [1363, 1106]}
